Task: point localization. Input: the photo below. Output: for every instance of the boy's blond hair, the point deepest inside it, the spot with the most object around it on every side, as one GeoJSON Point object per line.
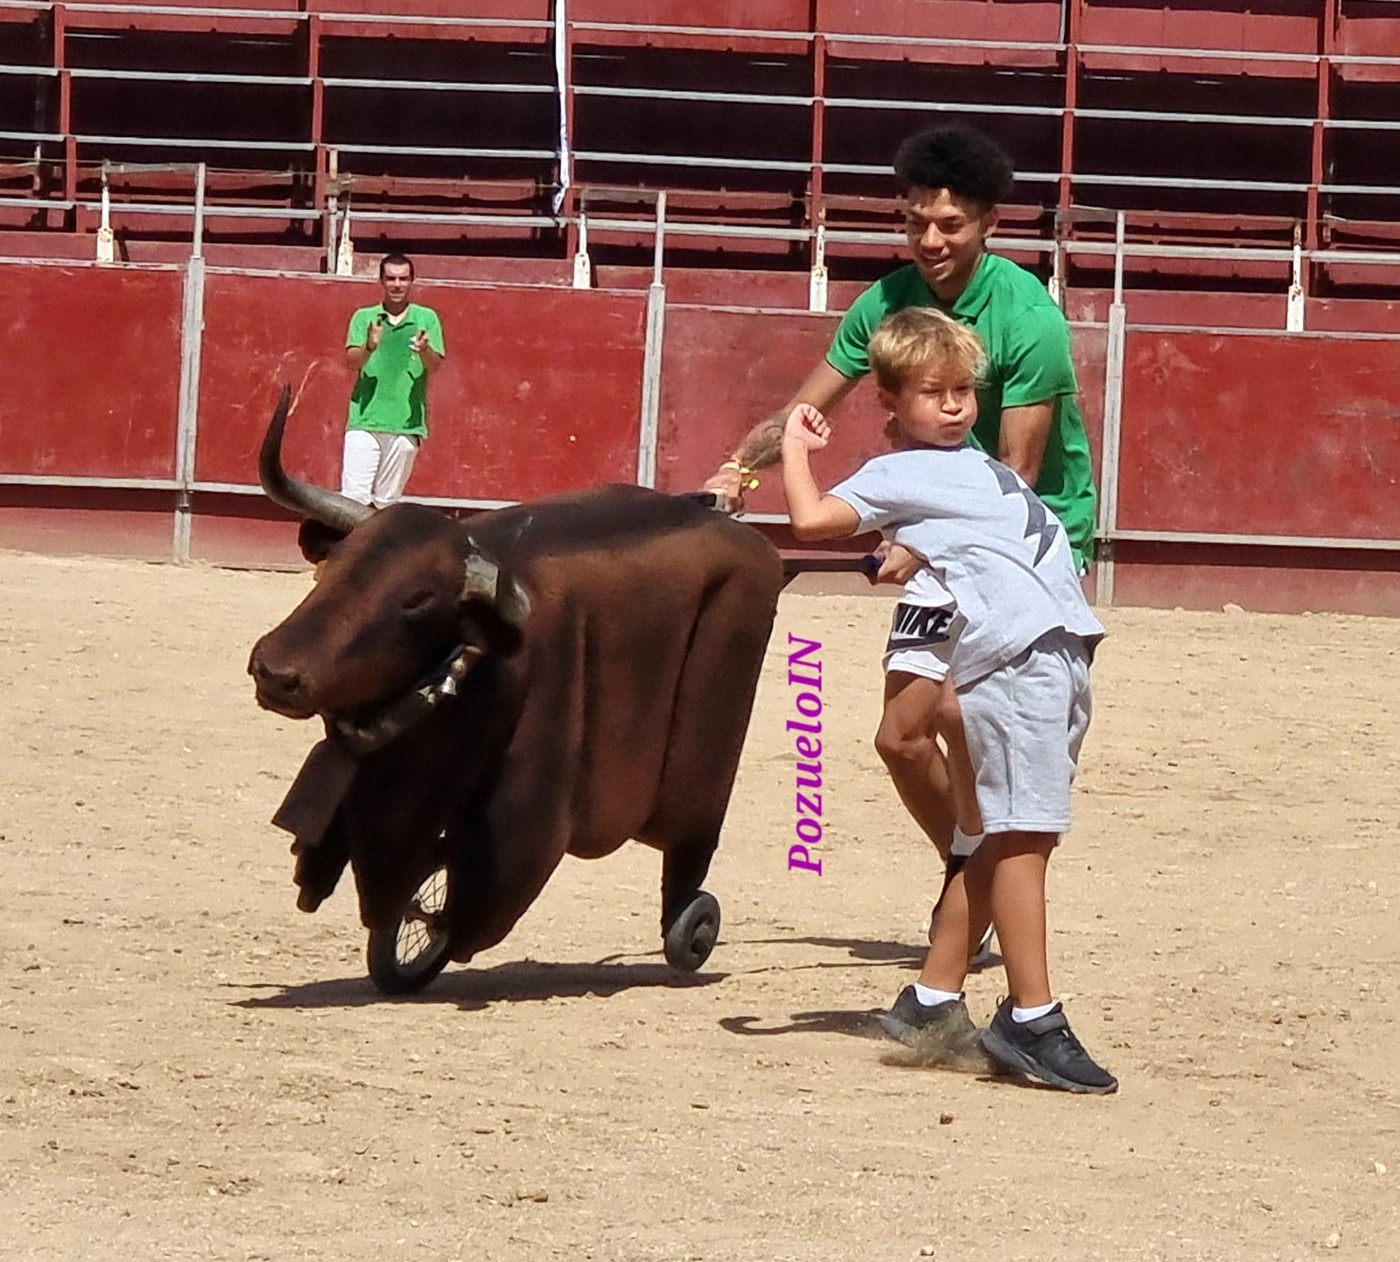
{"type": "Point", "coordinates": [922, 337]}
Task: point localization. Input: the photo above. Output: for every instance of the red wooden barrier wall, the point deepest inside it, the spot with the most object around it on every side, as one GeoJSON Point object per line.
{"type": "Point", "coordinates": [541, 390]}
{"type": "Point", "coordinates": [723, 371]}
{"type": "Point", "coordinates": [1260, 435]}
{"type": "Point", "coordinates": [1250, 434]}
{"type": "Point", "coordinates": [93, 372]}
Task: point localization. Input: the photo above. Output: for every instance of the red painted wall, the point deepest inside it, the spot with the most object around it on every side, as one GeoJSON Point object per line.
{"type": "Point", "coordinates": [1265, 580]}
{"type": "Point", "coordinates": [1253, 434]}
{"type": "Point", "coordinates": [724, 371]}
{"type": "Point", "coordinates": [93, 376]}
{"type": "Point", "coordinates": [1257, 433]}
{"type": "Point", "coordinates": [541, 391]}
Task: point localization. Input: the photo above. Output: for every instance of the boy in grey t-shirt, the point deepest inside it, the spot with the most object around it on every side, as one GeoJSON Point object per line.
{"type": "Point", "coordinates": [1000, 610]}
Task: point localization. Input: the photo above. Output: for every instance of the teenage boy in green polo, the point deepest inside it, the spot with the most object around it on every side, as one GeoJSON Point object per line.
{"type": "Point", "coordinates": [392, 346]}
{"type": "Point", "coordinates": [950, 181]}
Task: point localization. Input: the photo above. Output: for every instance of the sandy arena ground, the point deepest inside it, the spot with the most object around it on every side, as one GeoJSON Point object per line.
{"type": "Point", "coordinates": [190, 1068]}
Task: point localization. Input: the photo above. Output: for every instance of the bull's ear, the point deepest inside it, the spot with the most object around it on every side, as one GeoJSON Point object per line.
{"type": "Point", "coordinates": [317, 540]}
{"type": "Point", "coordinates": [483, 583]}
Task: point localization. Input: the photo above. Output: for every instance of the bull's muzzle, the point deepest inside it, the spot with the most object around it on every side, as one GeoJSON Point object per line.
{"type": "Point", "coordinates": [281, 689]}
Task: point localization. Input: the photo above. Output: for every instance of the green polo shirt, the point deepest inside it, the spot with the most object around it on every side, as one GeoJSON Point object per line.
{"type": "Point", "coordinates": [391, 393]}
{"type": "Point", "coordinates": [1027, 343]}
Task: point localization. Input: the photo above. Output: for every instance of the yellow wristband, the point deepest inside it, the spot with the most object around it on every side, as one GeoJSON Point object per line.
{"type": "Point", "coordinates": [747, 481]}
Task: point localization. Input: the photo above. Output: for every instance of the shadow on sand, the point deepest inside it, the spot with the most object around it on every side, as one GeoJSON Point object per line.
{"type": "Point", "coordinates": [857, 949]}
{"type": "Point", "coordinates": [523, 981]}
{"type": "Point", "coordinates": [858, 1023]}
{"type": "Point", "coordinates": [475, 988]}
{"type": "Point", "coordinates": [863, 951]}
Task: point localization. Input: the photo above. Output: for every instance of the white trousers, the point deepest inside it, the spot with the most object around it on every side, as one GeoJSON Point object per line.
{"type": "Point", "coordinates": [376, 466]}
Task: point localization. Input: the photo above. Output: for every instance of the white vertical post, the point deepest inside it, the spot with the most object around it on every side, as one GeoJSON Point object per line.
{"type": "Point", "coordinates": [651, 361]}
{"type": "Point", "coordinates": [197, 251]}
{"type": "Point", "coordinates": [187, 415]}
{"type": "Point", "coordinates": [1112, 421]}
{"type": "Point", "coordinates": [191, 341]}
{"type": "Point", "coordinates": [106, 240]}
{"type": "Point", "coordinates": [817, 288]}
{"type": "Point", "coordinates": [1056, 284]}
{"type": "Point", "coordinates": [583, 265]}
{"type": "Point", "coordinates": [332, 206]}
{"type": "Point", "coordinates": [345, 251]}
{"type": "Point", "coordinates": [1297, 300]}
{"type": "Point", "coordinates": [561, 77]}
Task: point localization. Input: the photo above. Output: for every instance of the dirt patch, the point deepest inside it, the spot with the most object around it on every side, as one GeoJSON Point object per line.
{"type": "Point", "coordinates": [190, 1068]}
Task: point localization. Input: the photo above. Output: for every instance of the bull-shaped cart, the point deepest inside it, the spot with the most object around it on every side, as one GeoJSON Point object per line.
{"type": "Point", "coordinates": [551, 678]}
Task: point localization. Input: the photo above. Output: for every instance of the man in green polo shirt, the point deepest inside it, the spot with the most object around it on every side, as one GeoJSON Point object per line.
{"type": "Point", "coordinates": [950, 182]}
{"type": "Point", "coordinates": [393, 347]}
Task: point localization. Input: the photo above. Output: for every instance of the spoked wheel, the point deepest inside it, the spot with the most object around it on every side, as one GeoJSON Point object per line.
{"type": "Point", "coordinates": [406, 958]}
{"type": "Point", "coordinates": [691, 935]}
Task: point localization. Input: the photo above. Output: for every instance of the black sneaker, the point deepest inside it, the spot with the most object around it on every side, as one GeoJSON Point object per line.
{"type": "Point", "coordinates": [1046, 1049]}
{"type": "Point", "coordinates": [941, 1033]}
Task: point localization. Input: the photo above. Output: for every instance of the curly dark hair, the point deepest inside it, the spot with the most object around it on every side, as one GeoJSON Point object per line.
{"type": "Point", "coordinates": [959, 158]}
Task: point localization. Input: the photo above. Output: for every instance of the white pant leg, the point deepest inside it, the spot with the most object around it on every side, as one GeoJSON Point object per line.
{"type": "Point", "coordinates": [395, 464]}
{"type": "Point", "coordinates": [359, 465]}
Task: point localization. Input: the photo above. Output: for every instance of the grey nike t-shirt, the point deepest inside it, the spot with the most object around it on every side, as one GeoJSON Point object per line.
{"type": "Point", "coordinates": [987, 539]}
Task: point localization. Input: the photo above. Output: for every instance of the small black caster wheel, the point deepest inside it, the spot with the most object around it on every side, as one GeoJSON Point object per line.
{"type": "Point", "coordinates": [406, 958]}
{"type": "Point", "coordinates": [691, 935]}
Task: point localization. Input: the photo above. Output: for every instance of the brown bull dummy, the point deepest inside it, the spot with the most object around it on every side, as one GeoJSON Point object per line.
{"type": "Point", "coordinates": [553, 678]}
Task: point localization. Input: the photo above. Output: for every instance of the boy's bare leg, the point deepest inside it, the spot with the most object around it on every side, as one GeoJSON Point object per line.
{"type": "Point", "coordinates": [906, 741]}
{"type": "Point", "coordinates": [1015, 864]}
{"type": "Point", "coordinates": [959, 921]}
{"type": "Point", "coordinates": [930, 1017]}
{"type": "Point", "coordinates": [962, 779]}
{"type": "Point", "coordinates": [937, 791]}
{"type": "Point", "coordinates": [1029, 1032]}
{"type": "Point", "coordinates": [945, 965]}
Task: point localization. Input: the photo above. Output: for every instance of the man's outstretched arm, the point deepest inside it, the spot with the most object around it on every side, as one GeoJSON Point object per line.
{"type": "Point", "coordinates": [762, 446]}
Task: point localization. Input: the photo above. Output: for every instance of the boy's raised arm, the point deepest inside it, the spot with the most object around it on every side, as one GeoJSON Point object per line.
{"type": "Point", "coordinates": [813, 515]}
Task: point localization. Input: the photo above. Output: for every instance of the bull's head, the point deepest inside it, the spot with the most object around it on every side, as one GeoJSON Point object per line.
{"type": "Point", "coordinates": [402, 594]}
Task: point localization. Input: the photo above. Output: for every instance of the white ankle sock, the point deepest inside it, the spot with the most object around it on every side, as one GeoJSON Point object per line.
{"type": "Point", "coordinates": [1022, 1015]}
{"type": "Point", "coordinates": [928, 996]}
{"type": "Point", "coordinates": [965, 844]}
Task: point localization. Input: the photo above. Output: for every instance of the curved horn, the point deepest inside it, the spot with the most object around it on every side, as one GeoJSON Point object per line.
{"type": "Point", "coordinates": [482, 580]}
{"type": "Point", "coordinates": [328, 507]}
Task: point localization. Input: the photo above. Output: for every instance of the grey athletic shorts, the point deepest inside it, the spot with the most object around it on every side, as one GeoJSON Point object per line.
{"type": "Point", "coordinates": [1025, 724]}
